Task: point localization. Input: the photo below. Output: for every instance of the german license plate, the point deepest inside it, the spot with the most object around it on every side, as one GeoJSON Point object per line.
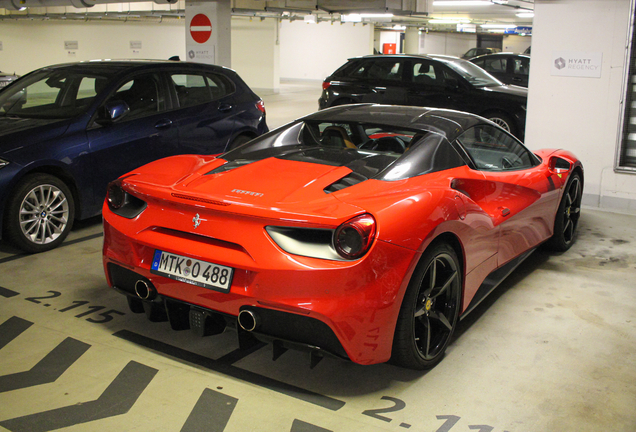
{"type": "Point", "coordinates": [192, 271]}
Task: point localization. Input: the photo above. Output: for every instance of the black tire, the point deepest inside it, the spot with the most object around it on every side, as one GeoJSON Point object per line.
{"type": "Point", "coordinates": [502, 120]}
{"type": "Point", "coordinates": [39, 213]}
{"type": "Point", "coordinates": [238, 141]}
{"type": "Point", "coordinates": [567, 216]}
{"type": "Point", "coordinates": [429, 311]}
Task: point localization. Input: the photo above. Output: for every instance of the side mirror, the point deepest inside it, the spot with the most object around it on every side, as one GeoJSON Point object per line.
{"type": "Point", "coordinates": [112, 112]}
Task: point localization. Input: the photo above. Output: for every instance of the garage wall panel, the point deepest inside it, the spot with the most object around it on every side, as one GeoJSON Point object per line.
{"type": "Point", "coordinates": [33, 44]}
{"type": "Point", "coordinates": [313, 51]}
{"type": "Point", "coordinates": [516, 44]}
{"type": "Point", "coordinates": [454, 44]}
{"type": "Point", "coordinates": [255, 53]}
{"type": "Point", "coordinates": [576, 113]}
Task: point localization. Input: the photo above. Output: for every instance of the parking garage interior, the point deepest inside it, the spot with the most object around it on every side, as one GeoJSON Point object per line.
{"type": "Point", "coordinates": [552, 348]}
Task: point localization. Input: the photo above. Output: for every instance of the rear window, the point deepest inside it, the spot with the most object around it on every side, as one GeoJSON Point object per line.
{"type": "Point", "coordinates": [370, 150]}
{"type": "Point", "coordinates": [382, 69]}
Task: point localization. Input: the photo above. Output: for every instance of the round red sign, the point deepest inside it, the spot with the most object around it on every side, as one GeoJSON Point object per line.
{"type": "Point", "coordinates": [200, 28]}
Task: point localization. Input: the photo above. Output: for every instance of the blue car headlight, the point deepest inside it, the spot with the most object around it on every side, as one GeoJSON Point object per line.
{"type": "Point", "coordinates": [3, 163]}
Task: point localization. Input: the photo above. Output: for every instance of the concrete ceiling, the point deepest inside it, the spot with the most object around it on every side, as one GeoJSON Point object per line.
{"type": "Point", "coordinates": [425, 14]}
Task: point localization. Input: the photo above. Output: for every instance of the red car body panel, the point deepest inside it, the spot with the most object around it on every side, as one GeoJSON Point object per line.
{"type": "Point", "coordinates": [494, 217]}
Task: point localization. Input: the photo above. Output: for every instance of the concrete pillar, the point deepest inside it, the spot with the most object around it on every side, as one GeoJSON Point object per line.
{"type": "Point", "coordinates": [412, 40]}
{"type": "Point", "coordinates": [207, 30]}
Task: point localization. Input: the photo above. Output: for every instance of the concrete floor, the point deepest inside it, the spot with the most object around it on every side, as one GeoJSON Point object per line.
{"type": "Point", "coordinates": [552, 349]}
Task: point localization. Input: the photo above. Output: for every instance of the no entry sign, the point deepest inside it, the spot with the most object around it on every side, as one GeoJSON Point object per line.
{"type": "Point", "coordinates": [200, 28]}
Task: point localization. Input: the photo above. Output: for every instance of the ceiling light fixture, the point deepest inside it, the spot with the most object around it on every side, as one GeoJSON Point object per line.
{"type": "Point", "coordinates": [377, 15]}
{"type": "Point", "coordinates": [525, 14]}
{"type": "Point", "coordinates": [462, 3]}
{"type": "Point", "coordinates": [498, 26]}
{"type": "Point", "coordinates": [448, 21]}
{"type": "Point", "coordinates": [351, 18]}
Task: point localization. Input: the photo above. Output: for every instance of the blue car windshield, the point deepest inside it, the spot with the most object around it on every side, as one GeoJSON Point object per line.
{"type": "Point", "coordinates": [54, 94]}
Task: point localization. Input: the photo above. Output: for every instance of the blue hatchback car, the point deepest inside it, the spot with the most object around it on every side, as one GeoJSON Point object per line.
{"type": "Point", "coordinates": [68, 130]}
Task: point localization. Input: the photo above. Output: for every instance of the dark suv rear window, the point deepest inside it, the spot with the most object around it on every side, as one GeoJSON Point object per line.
{"type": "Point", "coordinates": [381, 68]}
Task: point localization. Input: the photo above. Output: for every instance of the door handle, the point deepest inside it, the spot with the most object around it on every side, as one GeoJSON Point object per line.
{"type": "Point", "coordinates": [164, 123]}
{"type": "Point", "coordinates": [225, 107]}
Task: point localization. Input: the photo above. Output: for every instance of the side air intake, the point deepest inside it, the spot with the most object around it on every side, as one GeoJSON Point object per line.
{"type": "Point", "coordinates": [345, 182]}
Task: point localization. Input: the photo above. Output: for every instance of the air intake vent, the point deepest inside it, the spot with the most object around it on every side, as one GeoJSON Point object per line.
{"type": "Point", "coordinates": [345, 182]}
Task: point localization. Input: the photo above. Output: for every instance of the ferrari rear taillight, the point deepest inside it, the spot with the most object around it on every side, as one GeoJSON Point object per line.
{"type": "Point", "coordinates": [115, 195]}
{"type": "Point", "coordinates": [260, 105]}
{"type": "Point", "coordinates": [326, 84]}
{"type": "Point", "coordinates": [121, 202]}
{"type": "Point", "coordinates": [354, 238]}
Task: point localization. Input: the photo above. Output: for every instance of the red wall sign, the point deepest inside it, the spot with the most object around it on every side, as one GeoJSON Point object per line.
{"type": "Point", "coordinates": [200, 28]}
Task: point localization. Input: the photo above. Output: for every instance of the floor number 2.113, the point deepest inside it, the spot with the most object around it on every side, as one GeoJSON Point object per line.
{"type": "Point", "coordinates": [398, 404]}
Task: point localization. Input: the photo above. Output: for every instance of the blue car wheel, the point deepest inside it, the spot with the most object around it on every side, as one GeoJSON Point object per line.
{"type": "Point", "coordinates": [39, 214]}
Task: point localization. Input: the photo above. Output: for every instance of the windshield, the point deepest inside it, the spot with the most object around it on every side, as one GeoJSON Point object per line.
{"type": "Point", "coordinates": [370, 150]}
{"type": "Point", "coordinates": [51, 94]}
{"type": "Point", "coordinates": [471, 72]}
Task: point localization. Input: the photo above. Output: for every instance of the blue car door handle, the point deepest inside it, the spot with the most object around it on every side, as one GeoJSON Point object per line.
{"type": "Point", "coordinates": [225, 107]}
{"type": "Point", "coordinates": [163, 123]}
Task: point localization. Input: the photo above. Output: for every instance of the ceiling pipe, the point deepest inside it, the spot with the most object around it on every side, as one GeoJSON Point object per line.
{"type": "Point", "coordinates": [20, 5]}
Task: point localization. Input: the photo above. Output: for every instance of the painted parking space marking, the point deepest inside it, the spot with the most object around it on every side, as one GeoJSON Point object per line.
{"type": "Point", "coordinates": [232, 371]}
{"type": "Point", "coordinates": [66, 243]}
{"type": "Point", "coordinates": [211, 412]}
{"type": "Point", "coordinates": [12, 328]}
{"type": "Point", "coordinates": [7, 293]}
{"type": "Point", "coordinates": [47, 370]}
{"type": "Point", "coordinates": [301, 426]}
{"type": "Point", "coordinates": [117, 399]}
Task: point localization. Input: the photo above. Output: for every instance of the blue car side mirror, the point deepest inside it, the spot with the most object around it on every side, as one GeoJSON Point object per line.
{"type": "Point", "coordinates": [112, 112]}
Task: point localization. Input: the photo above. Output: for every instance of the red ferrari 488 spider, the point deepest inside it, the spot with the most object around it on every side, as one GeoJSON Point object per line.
{"type": "Point", "coordinates": [362, 231]}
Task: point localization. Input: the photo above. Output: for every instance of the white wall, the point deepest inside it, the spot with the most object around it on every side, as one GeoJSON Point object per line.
{"type": "Point", "coordinates": [314, 51]}
{"type": "Point", "coordinates": [255, 52]}
{"type": "Point", "coordinates": [516, 44]}
{"type": "Point", "coordinates": [582, 114]}
{"type": "Point", "coordinates": [454, 44]}
{"type": "Point", "coordinates": [28, 45]}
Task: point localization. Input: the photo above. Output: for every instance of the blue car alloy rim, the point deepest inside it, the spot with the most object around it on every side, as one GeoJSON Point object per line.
{"type": "Point", "coordinates": [44, 214]}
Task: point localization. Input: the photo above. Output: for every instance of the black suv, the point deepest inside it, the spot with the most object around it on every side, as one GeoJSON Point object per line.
{"type": "Point", "coordinates": [431, 81]}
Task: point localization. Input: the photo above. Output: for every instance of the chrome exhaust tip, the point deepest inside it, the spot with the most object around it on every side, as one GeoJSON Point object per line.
{"type": "Point", "coordinates": [248, 320]}
{"type": "Point", "coordinates": [144, 290]}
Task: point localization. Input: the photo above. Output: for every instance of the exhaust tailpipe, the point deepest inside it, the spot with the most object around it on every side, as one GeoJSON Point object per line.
{"type": "Point", "coordinates": [144, 290]}
{"type": "Point", "coordinates": [248, 320]}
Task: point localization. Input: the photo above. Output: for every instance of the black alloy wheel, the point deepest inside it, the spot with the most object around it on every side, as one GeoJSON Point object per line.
{"type": "Point", "coordinates": [567, 216]}
{"type": "Point", "coordinates": [429, 311]}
